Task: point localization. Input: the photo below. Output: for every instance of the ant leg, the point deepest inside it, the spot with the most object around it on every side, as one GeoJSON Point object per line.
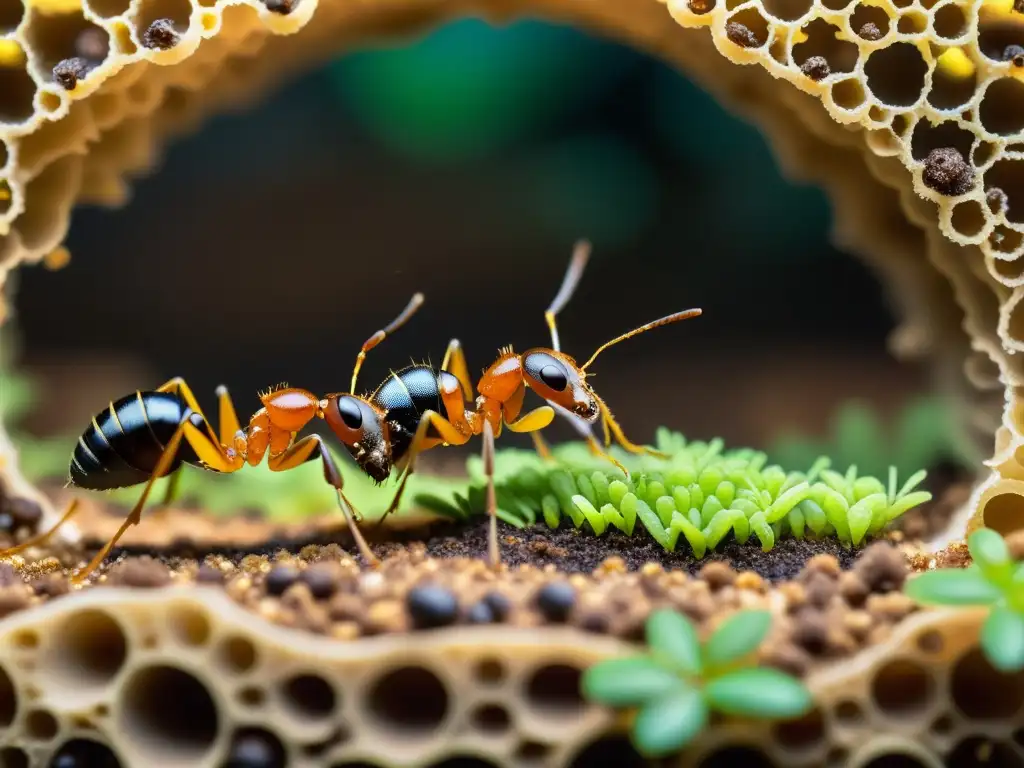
{"type": "Point", "coordinates": [171, 491]}
{"type": "Point", "coordinates": [178, 386]}
{"type": "Point", "coordinates": [455, 363]}
{"type": "Point", "coordinates": [580, 255]}
{"type": "Point", "coordinates": [308, 449]}
{"type": "Point", "coordinates": [226, 417]}
{"type": "Point", "coordinates": [583, 428]}
{"type": "Point", "coordinates": [205, 450]}
{"type": "Point", "coordinates": [493, 552]}
{"type": "Point", "coordinates": [420, 443]}
{"type": "Point", "coordinates": [534, 420]}
{"type": "Point", "coordinates": [542, 447]}
{"type": "Point", "coordinates": [610, 423]}
{"type": "Point", "coordinates": [42, 538]}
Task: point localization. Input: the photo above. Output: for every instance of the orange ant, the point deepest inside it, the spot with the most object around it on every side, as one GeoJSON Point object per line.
{"type": "Point", "coordinates": [148, 435]}
{"type": "Point", "coordinates": [549, 372]}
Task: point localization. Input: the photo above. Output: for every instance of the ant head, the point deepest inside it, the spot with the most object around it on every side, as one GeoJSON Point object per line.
{"type": "Point", "coordinates": [556, 377]}
{"type": "Point", "coordinates": [361, 428]}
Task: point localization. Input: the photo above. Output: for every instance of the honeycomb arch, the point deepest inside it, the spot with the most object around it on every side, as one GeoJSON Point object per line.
{"type": "Point", "coordinates": [908, 112]}
{"type": "Point", "coordinates": [923, 697]}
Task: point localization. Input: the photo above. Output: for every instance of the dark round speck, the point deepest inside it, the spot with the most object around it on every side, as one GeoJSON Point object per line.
{"type": "Point", "coordinates": [84, 753]}
{"type": "Point", "coordinates": [1011, 52]}
{"type": "Point", "coordinates": [946, 171]}
{"type": "Point", "coordinates": [280, 578]}
{"type": "Point", "coordinates": [741, 35]}
{"type": "Point", "coordinates": [320, 582]}
{"type": "Point", "coordinates": [431, 606]}
{"type": "Point", "coordinates": [160, 34]}
{"type": "Point", "coordinates": [556, 601]}
{"type": "Point", "coordinates": [480, 613]}
{"type": "Point", "coordinates": [256, 748]}
{"type": "Point", "coordinates": [499, 604]}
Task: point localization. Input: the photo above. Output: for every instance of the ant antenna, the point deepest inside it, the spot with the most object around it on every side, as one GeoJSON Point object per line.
{"type": "Point", "coordinates": [379, 336]}
{"type": "Point", "coordinates": [684, 315]}
{"type": "Point", "coordinates": [580, 255]}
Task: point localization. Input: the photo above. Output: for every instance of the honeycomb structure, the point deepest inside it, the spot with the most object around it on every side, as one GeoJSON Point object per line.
{"type": "Point", "coordinates": [169, 677]}
{"type": "Point", "coordinates": [908, 112]}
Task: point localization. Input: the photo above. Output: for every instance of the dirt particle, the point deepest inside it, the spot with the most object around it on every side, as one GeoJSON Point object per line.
{"type": "Point", "coordinates": [741, 35]}
{"type": "Point", "coordinates": [322, 579]}
{"type": "Point", "coordinates": [717, 575]}
{"type": "Point", "coordinates": [816, 68]}
{"type": "Point", "coordinates": [160, 34]}
{"type": "Point", "coordinates": [67, 73]}
{"type": "Point", "coordinates": [499, 604]}
{"type": "Point", "coordinates": [14, 598]}
{"type": "Point", "coordinates": [51, 585]}
{"type": "Point", "coordinates": [870, 31]}
{"type": "Point", "coordinates": [280, 578]}
{"type": "Point", "coordinates": [882, 567]}
{"type": "Point", "coordinates": [283, 7]}
{"type": "Point", "coordinates": [997, 201]}
{"type": "Point", "coordinates": [385, 616]}
{"type": "Point", "coordinates": [701, 7]}
{"type": "Point", "coordinates": [1014, 53]}
{"type": "Point", "coordinates": [946, 171]}
{"type": "Point", "coordinates": [207, 574]}
{"type": "Point", "coordinates": [788, 658]}
{"type": "Point", "coordinates": [890, 607]}
{"type": "Point", "coordinates": [750, 581]}
{"type": "Point", "coordinates": [143, 572]}
{"type": "Point", "coordinates": [1015, 543]}
{"type": "Point", "coordinates": [431, 606]}
{"type": "Point", "coordinates": [556, 600]}
{"type": "Point", "coordinates": [853, 589]}
{"type": "Point", "coordinates": [24, 512]}
{"type": "Point", "coordinates": [827, 565]}
{"type": "Point", "coordinates": [820, 590]}
{"type": "Point", "coordinates": [811, 631]}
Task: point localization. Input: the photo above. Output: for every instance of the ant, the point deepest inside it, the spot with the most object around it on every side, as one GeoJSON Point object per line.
{"type": "Point", "coordinates": [148, 435]}
{"type": "Point", "coordinates": [548, 371]}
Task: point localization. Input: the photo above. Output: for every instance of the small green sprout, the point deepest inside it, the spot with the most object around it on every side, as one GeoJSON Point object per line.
{"type": "Point", "coordinates": [680, 681]}
{"type": "Point", "coordinates": [994, 580]}
{"type": "Point", "coordinates": [699, 496]}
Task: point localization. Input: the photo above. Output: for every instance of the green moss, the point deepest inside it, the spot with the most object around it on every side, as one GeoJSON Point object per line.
{"type": "Point", "coordinates": [699, 496]}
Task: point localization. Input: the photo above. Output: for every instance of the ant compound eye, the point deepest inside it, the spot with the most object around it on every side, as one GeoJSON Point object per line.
{"type": "Point", "coordinates": [350, 412]}
{"type": "Point", "coordinates": [554, 377]}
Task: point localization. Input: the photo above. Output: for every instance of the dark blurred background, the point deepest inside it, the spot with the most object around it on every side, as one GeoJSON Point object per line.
{"type": "Point", "coordinates": [269, 246]}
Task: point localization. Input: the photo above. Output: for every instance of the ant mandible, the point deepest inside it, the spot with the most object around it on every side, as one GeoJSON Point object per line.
{"type": "Point", "coordinates": [148, 435]}
{"type": "Point", "coordinates": [548, 371]}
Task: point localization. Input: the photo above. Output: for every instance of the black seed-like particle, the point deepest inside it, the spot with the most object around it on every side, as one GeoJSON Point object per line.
{"type": "Point", "coordinates": [431, 606]}
{"type": "Point", "coordinates": [160, 34]}
{"type": "Point", "coordinates": [816, 68]}
{"type": "Point", "coordinates": [68, 72]}
{"type": "Point", "coordinates": [84, 753]}
{"type": "Point", "coordinates": [946, 171]}
{"type": "Point", "coordinates": [741, 35]}
{"type": "Point", "coordinates": [480, 613]}
{"type": "Point", "coordinates": [283, 7]}
{"type": "Point", "coordinates": [556, 601]}
{"type": "Point", "coordinates": [997, 200]}
{"type": "Point", "coordinates": [320, 581]}
{"type": "Point", "coordinates": [280, 578]}
{"type": "Point", "coordinates": [499, 604]}
{"type": "Point", "coordinates": [870, 31]}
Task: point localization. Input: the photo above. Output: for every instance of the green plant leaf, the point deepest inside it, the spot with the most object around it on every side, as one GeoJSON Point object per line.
{"type": "Point", "coordinates": [990, 553]}
{"type": "Point", "coordinates": [668, 723]}
{"type": "Point", "coordinates": [737, 636]}
{"type": "Point", "coordinates": [627, 682]}
{"type": "Point", "coordinates": [673, 637]}
{"type": "Point", "coordinates": [1002, 639]}
{"type": "Point", "coordinates": [953, 586]}
{"type": "Point", "coordinates": [759, 693]}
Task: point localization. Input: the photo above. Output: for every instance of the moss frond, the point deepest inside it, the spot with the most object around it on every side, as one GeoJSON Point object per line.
{"type": "Point", "coordinates": [700, 495]}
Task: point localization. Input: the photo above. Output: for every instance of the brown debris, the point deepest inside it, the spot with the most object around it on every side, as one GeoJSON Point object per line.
{"type": "Point", "coordinates": [718, 575]}
{"type": "Point", "coordinates": [700, 7]}
{"type": "Point", "coordinates": [870, 31]}
{"type": "Point", "coordinates": [1015, 543]}
{"type": "Point", "coordinates": [882, 567]}
{"type": "Point", "coordinates": [283, 7]}
{"type": "Point", "coordinates": [68, 72]}
{"type": "Point", "coordinates": [816, 68]}
{"type": "Point", "coordinates": [997, 200]}
{"type": "Point", "coordinates": [160, 34]}
{"type": "Point", "coordinates": [145, 572]}
{"type": "Point", "coordinates": [741, 35]}
{"type": "Point", "coordinates": [946, 171]}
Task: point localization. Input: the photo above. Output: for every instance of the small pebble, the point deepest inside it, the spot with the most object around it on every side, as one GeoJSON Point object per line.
{"type": "Point", "coordinates": [25, 512]}
{"type": "Point", "coordinates": [480, 613]}
{"type": "Point", "coordinates": [820, 589]}
{"type": "Point", "coordinates": [160, 34]}
{"type": "Point", "coordinates": [882, 567]}
{"type": "Point", "coordinates": [143, 572]}
{"type": "Point", "coordinates": [68, 72]}
{"type": "Point", "coordinates": [51, 585]}
{"type": "Point", "coordinates": [816, 68]}
{"type": "Point", "coordinates": [825, 564]}
{"type": "Point", "coordinates": [321, 580]}
{"type": "Point", "coordinates": [14, 599]}
{"type": "Point", "coordinates": [741, 35]}
{"type": "Point", "coordinates": [870, 31]}
{"type": "Point", "coordinates": [430, 606]}
{"type": "Point", "coordinates": [283, 7]}
{"type": "Point", "coordinates": [750, 581]}
{"type": "Point", "coordinates": [811, 630]}
{"type": "Point", "coordinates": [280, 578]}
{"type": "Point", "coordinates": [256, 749]}
{"type": "Point", "coordinates": [556, 600]}
{"type": "Point", "coordinates": [788, 658]}
{"type": "Point", "coordinates": [207, 574]}
{"type": "Point", "coordinates": [853, 589]}
{"type": "Point", "coordinates": [718, 574]}
{"type": "Point", "coordinates": [594, 622]}
{"type": "Point", "coordinates": [946, 171]}
{"type": "Point", "coordinates": [499, 604]}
